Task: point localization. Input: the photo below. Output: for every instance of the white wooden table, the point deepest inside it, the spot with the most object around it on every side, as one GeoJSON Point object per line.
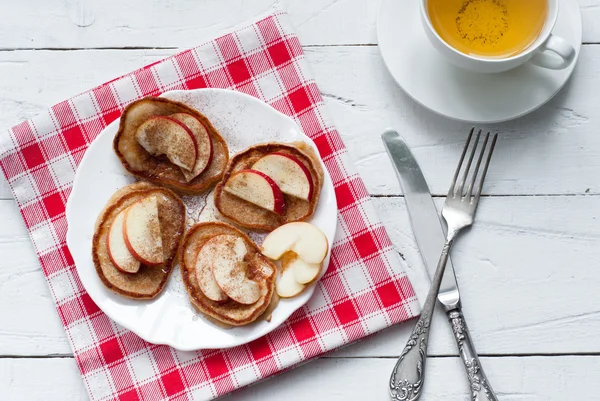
{"type": "Point", "coordinates": [527, 270]}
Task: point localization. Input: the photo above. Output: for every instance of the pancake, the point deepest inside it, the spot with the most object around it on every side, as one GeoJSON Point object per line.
{"type": "Point", "coordinates": [149, 280]}
{"type": "Point", "coordinates": [229, 312]}
{"type": "Point", "coordinates": [254, 217]}
{"type": "Point", "coordinates": [159, 170]}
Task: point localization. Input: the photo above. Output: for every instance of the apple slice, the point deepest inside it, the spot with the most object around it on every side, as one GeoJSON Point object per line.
{"type": "Point", "coordinates": [166, 136]}
{"type": "Point", "coordinates": [204, 270]}
{"type": "Point", "coordinates": [287, 286]}
{"type": "Point", "coordinates": [289, 173]}
{"type": "Point", "coordinates": [257, 188]}
{"type": "Point", "coordinates": [141, 231]}
{"type": "Point", "coordinates": [304, 273]}
{"type": "Point", "coordinates": [117, 249]}
{"type": "Point", "coordinates": [304, 239]}
{"type": "Point", "coordinates": [204, 144]}
{"type": "Point", "coordinates": [229, 270]}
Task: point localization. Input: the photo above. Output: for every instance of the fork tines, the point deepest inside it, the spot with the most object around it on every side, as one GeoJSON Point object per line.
{"type": "Point", "coordinates": [469, 176]}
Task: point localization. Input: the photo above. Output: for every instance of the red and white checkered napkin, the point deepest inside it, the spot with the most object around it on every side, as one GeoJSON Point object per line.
{"type": "Point", "coordinates": [364, 290]}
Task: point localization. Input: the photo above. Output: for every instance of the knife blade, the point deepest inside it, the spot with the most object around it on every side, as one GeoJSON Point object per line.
{"type": "Point", "coordinates": [429, 231]}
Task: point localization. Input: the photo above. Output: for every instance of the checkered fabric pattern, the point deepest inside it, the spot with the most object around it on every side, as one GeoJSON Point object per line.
{"type": "Point", "coordinates": [365, 289]}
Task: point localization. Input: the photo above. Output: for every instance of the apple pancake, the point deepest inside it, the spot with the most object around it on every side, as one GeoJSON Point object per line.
{"type": "Point", "coordinates": [160, 170]}
{"type": "Point", "coordinates": [258, 268]}
{"type": "Point", "coordinates": [250, 215]}
{"type": "Point", "coordinates": [148, 281]}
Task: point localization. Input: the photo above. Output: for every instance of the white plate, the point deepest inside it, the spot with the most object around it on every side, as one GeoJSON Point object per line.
{"type": "Point", "coordinates": [169, 318]}
{"type": "Point", "coordinates": [459, 94]}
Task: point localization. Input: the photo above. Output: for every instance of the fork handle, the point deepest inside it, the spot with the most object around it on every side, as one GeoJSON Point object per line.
{"type": "Point", "coordinates": [478, 383]}
{"type": "Point", "coordinates": [408, 375]}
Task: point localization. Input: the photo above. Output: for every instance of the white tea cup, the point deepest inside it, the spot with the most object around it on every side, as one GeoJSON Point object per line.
{"type": "Point", "coordinates": [537, 53]}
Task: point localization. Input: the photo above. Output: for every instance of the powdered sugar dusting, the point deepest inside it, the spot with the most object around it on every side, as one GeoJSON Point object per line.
{"type": "Point", "coordinates": [193, 208]}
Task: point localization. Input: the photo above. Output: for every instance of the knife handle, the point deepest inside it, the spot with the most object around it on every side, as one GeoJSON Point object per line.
{"type": "Point", "coordinates": [478, 383]}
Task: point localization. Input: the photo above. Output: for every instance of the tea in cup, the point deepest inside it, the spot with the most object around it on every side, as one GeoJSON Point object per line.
{"type": "Point", "coordinates": [496, 35]}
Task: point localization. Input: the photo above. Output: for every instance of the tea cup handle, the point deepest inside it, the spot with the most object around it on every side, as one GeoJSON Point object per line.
{"type": "Point", "coordinates": [559, 46]}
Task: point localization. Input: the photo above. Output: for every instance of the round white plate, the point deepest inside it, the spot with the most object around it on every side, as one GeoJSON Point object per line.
{"type": "Point", "coordinates": [169, 318]}
{"type": "Point", "coordinates": [462, 95]}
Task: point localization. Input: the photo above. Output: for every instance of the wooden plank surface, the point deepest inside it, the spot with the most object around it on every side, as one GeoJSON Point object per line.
{"type": "Point", "coordinates": [552, 151]}
{"type": "Point", "coordinates": [524, 273]}
{"type": "Point", "coordinates": [340, 379]}
{"type": "Point", "coordinates": [170, 23]}
{"type": "Point", "coordinates": [30, 323]}
{"type": "Point", "coordinates": [520, 246]}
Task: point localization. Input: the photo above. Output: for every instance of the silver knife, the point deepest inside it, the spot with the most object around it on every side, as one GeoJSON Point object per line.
{"type": "Point", "coordinates": [430, 234]}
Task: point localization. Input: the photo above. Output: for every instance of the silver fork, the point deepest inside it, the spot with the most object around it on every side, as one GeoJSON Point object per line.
{"type": "Point", "coordinates": [407, 377]}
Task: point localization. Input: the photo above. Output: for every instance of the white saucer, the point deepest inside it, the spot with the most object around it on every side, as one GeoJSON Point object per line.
{"type": "Point", "coordinates": [169, 318]}
{"type": "Point", "coordinates": [459, 94]}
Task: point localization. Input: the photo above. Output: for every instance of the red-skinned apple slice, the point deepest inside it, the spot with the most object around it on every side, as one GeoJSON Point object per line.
{"type": "Point", "coordinates": [257, 188]}
{"type": "Point", "coordinates": [290, 174]}
{"type": "Point", "coordinates": [167, 136]}
{"type": "Point", "coordinates": [304, 239]}
{"type": "Point", "coordinates": [229, 270]}
{"type": "Point", "coordinates": [203, 141]}
{"type": "Point", "coordinates": [141, 231]}
{"type": "Point", "coordinates": [118, 253]}
{"type": "Point", "coordinates": [204, 270]}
